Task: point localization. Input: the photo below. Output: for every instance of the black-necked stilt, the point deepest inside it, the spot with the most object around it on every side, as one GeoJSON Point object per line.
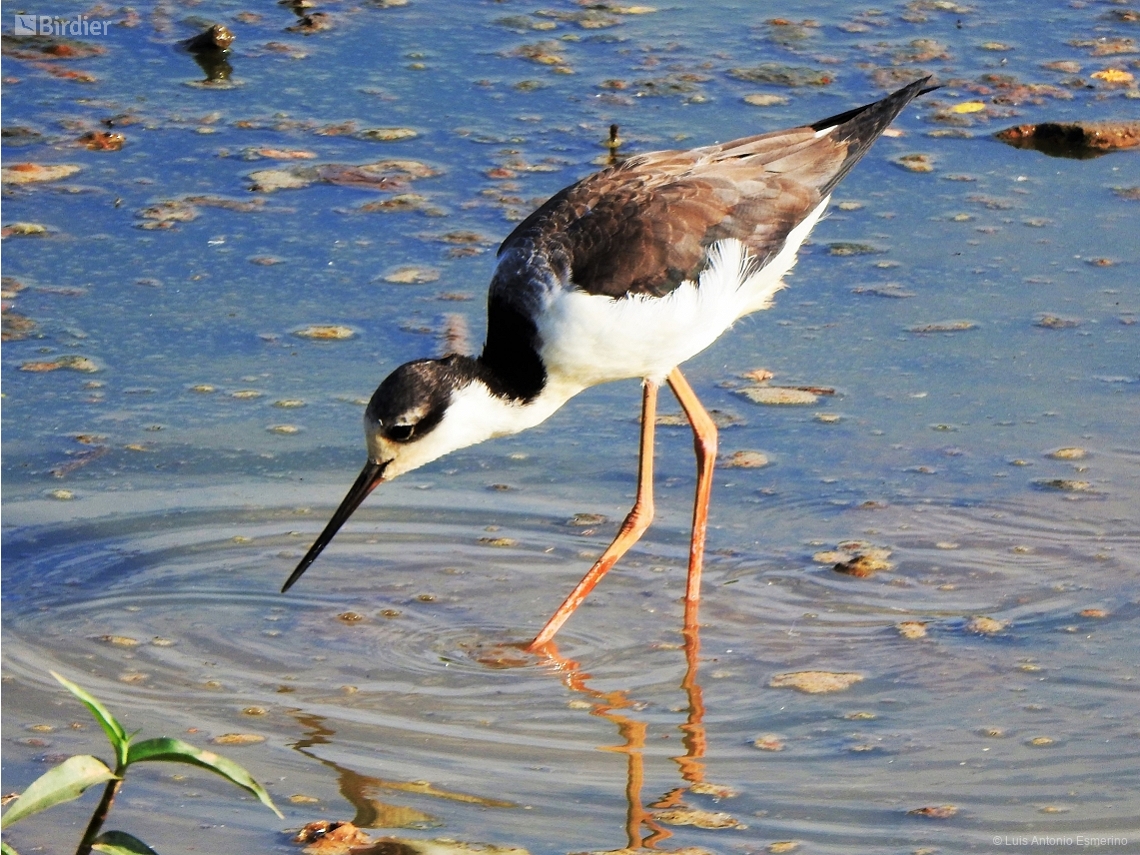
{"type": "Point", "coordinates": [625, 274]}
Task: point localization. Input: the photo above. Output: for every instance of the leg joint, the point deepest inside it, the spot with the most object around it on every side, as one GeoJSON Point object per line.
{"type": "Point", "coordinates": [705, 440]}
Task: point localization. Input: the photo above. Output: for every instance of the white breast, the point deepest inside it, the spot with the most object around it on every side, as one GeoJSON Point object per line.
{"type": "Point", "coordinates": [589, 339]}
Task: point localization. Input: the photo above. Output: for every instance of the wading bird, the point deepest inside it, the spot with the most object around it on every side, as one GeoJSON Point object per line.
{"type": "Point", "coordinates": [626, 274]}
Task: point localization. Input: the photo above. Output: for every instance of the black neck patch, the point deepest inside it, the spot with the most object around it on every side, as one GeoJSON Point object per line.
{"type": "Point", "coordinates": [510, 364]}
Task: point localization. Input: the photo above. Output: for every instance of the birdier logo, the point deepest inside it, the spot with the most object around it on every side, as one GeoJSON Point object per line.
{"type": "Point", "coordinates": [50, 25]}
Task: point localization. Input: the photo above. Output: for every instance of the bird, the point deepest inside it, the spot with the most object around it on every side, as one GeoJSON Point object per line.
{"type": "Point", "coordinates": [625, 274]}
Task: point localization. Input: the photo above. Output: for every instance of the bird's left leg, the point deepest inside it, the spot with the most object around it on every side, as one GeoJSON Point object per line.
{"type": "Point", "coordinates": [636, 522]}
{"type": "Point", "coordinates": [704, 444]}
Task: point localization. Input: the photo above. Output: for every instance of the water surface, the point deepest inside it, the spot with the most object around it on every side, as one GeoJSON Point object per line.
{"type": "Point", "coordinates": [164, 497]}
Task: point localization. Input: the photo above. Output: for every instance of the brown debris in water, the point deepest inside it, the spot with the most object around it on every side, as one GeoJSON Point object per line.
{"type": "Point", "coordinates": [864, 565]}
{"type": "Point", "coordinates": [1053, 322]}
{"type": "Point", "coordinates": [238, 739]}
{"type": "Point", "coordinates": [412, 274]}
{"type": "Point", "coordinates": [34, 173]}
{"type": "Point", "coordinates": [911, 629]}
{"type": "Point", "coordinates": [544, 53]}
{"type": "Point", "coordinates": [856, 558]}
{"type": "Point", "coordinates": [255, 153]}
{"type": "Point", "coordinates": [698, 818]}
{"type": "Point", "coordinates": [48, 48]}
{"type": "Point", "coordinates": [314, 22]}
{"type": "Point", "coordinates": [935, 812]}
{"type": "Point", "coordinates": [815, 682]}
{"type": "Point", "coordinates": [777, 395]}
{"type": "Point", "coordinates": [24, 230]}
{"type": "Point", "coordinates": [325, 332]}
{"type": "Point", "coordinates": [102, 141]}
{"type": "Point", "coordinates": [717, 791]}
{"type": "Point", "coordinates": [1073, 139]}
{"type": "Point", "coordinates": [586, 520]}
{"type": "Point", "coordinates": [390, 174]}
{"type": "Point", "coordinates": [343, 838]}
{"type": "Point", "coordinates": [1064, 485]}
{"type": "Point", "coordinates": [768, 742]}
{"type": "Point", "coordinates": [71, 362]}
{"type": "Point", "coordinates": [986, 625]}
{"type": "Point", "coordinates": [216, 38]}
{"type": "Point", "coordinates": [165, 215]}
{"type": "Point", "coordinates": [15, 327]}
{"type": "Point", "coordinates": [775, 74]}
{"type": "Point", "coordinates": [331, 838]}
{"type": "Point", "coordinates": [1114, 76]}
{"type": "Point", "coordinates": [944, 326]}
{"type": "Point", "coordinates": [745, 460]}
{"type": "Point", "coordinates": [387, 134]}
{"type": "Point", "coordinates": [761, 99]}
{"type": "Point", "coordinates": [915, 162]}
{"type": "Point", "coordinates": [762, 392]}
{"type": "Point", "coordinates": [721, 418]}
{"type": "Point", "coordinates": [1071, 452]}
{"type": "Point", "coordinates": [402, 202]}
{"type": "Point", "coordinates": [1107, 46]}
{"type": "Point", "coordinates": [500, 542]}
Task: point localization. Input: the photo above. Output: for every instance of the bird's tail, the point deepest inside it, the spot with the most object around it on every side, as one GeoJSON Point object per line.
{"type": "Point", "coordinates": [860, 127]}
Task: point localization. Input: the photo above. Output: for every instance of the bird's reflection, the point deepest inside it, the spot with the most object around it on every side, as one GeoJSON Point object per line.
{"type": "Point", "coordinates": [361, 790]}
{"type": "Point", "coordinates": [645, 824]}
{"type": "Point", "coordinates": [643, 828]}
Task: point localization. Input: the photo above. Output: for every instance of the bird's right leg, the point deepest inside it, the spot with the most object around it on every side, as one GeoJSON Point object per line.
{"type": "Point", "coordinates": [636, 522]}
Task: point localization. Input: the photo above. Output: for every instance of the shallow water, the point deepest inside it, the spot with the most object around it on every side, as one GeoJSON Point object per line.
{"type": "Point", "coordinates": [184, 504]}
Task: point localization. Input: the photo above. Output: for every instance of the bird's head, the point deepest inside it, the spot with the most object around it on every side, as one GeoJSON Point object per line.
{"type": "Point", "coordinates": [404, 424]}
{"type": "Point", "coordinates": [422, 411]}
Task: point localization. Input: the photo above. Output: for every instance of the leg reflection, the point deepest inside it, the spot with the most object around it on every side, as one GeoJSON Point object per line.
{"type": "Point", "coordinates": [644, 826]}
{"type": "Point", "coordinates": [609, 705]}
{"type": "Point", "coordinates": [694, 739]}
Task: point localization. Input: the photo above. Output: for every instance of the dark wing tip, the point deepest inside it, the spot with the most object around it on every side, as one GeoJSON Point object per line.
{"type": "Point", "coordinates": [878, 113]}
{"type": "Point", "coordinates": [859, 128]}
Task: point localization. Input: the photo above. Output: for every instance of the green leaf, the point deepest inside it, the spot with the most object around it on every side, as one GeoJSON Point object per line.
{"type": "Point", "coordinates": [120, 843]}
{"type": "Point", "coordinates": [5, 849]}
{"type": "Point", "coordinates": [67, 781]}
{"type": "Point", "coordinates": [114, 730]}
{"type": "Point", "coordinates": [177, 751]}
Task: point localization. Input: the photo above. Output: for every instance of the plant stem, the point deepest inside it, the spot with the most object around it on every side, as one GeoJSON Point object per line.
{"type": "Point", "coordinates": [100, 815]}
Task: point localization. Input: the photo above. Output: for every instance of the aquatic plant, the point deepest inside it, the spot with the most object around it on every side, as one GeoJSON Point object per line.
{"type": "Point", "coordinates": [75, 775]}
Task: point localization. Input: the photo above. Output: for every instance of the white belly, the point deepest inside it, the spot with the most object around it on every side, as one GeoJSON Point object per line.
{"type": "Point", "coordinates": [590, 339]}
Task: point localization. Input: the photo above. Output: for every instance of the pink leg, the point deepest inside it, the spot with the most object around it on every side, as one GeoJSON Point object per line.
{"type": "Point", "coordinates": [704, 443]}
{"type": "Point", "coordinates": [638, 520]}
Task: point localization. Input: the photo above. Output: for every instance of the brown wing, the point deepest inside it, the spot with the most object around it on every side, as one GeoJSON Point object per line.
{"type": "Point", "coordinates": [643, 227]}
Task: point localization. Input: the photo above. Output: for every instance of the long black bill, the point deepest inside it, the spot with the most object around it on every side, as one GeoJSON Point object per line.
{"type": "Point", "coordinates": [370, 476]}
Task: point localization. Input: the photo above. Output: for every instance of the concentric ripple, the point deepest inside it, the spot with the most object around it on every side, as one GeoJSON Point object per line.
{"type": "Point", "coordinates": [399, 659]}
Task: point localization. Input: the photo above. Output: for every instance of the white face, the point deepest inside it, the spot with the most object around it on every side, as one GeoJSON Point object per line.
{"type": "Point", "coordinates": [472, 415]}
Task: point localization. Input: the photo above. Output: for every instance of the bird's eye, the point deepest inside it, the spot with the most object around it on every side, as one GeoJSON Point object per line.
{"type": "Point", "coordinates": [400, 433]}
